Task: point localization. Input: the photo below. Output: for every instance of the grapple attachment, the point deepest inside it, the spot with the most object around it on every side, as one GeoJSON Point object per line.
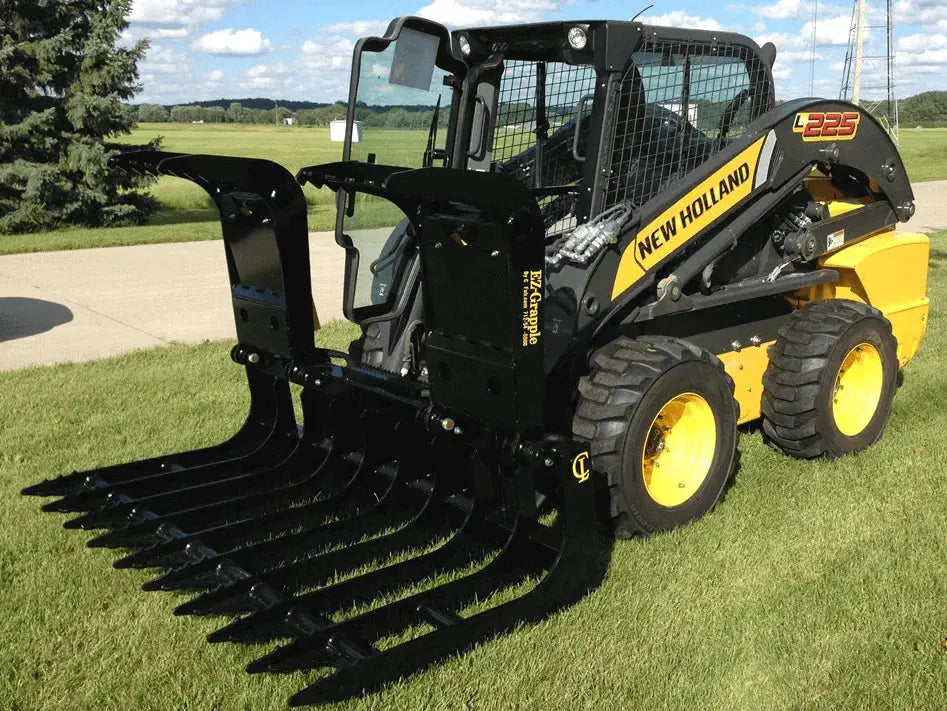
{"type": "Point", "coordinates": [370, 538]}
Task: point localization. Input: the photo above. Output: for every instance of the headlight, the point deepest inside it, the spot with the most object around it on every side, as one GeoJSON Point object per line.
{"type": "Point", "coordinates": [577, 38]}
{"type": "Point", "coordinates": [464, 43]}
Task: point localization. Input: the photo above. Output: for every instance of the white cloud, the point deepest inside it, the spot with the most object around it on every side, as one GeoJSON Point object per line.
{"type": "Point", "coordinates": [215, 75]}
{"type": "Point", "coordinates": [163, 60]}
{"type": "Point", "coordinates": [328, 52]}
{"type": "Point", "coordinates": [919, 43]}
{"type": "Point", "coordinates": [360, 28]}
{"type": "Point", "coordinates": [780, 10]}
{"type": "Point", "coordinates": [162, 19]}
{"type": "Point", "coordinates": [931, 14]}
{"type": "Point", "coordinates": [678, 18]}
{"type": "Point", "coordinates": [830, 31]}
{"type": "Point", "coordinates": [239, 43]}
{"type": "Point", "coordinates": [460, 13]}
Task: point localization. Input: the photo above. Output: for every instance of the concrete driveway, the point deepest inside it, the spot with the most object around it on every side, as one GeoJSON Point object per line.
{"type": "Point", "coordinates": [78, 305]}
{"type": "Point", "coordinates": [58, 307]}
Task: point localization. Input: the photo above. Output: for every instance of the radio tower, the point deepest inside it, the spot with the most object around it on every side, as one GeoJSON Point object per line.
{"type": "Point", "coordinates": [878, 98]}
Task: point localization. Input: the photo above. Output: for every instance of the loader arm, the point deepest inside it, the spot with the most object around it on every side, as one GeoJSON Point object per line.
{"type": "Point", "coordinates": [677, 234]}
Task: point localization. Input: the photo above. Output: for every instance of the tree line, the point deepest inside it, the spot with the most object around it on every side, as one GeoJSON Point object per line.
{"type": "Point", "coordinates": [410, 117]}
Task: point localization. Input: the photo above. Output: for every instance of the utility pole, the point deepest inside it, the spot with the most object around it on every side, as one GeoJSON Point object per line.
{"type": "Point", "coordinates": [859, 51]}
{"type": "Point", "coordinates": [815, 22]}
{"type": "Point", "coordinates": [879, 68]}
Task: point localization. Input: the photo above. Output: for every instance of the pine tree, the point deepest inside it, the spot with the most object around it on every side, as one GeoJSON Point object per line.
{"type": "Point", "coordinates": [63, 79]}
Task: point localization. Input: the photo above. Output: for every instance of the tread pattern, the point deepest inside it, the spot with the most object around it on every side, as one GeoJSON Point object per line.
{"type": "Point", "coordinates": [622, 372]}
{"type": "Point", "coordinates": [797, 361]}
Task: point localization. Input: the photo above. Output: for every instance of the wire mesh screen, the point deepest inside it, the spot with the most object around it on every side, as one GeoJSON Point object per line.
{"type": "Point", "coordinates": [680, 103]}
{"type": "Point", "coordinates": [535, 128]}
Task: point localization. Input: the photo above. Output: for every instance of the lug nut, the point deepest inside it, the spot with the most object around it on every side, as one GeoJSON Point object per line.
{"type": "Point", "coordinates": [448, 424]}
{"type": "Point", "coordinates": [253, 358]}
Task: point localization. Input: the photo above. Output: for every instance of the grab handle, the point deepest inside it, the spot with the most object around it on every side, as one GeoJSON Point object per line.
{"type": "Point", "coordinates": [579, 110]}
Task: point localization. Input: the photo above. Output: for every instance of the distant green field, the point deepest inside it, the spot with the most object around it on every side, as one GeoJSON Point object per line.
{"type": "Point", "coordinates": [293, 147]}
{"type": "Point", "coordinates": [924, 152]}
{"type": "Point", "coordinates": [187, 213]}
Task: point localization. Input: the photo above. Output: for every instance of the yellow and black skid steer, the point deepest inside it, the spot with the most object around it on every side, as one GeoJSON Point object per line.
{"type": "Point", "coordinates": [613, 248]}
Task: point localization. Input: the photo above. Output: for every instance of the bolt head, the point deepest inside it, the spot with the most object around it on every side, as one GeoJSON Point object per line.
{"type": "Point", "coordinates": [447, 424]}
{"type": "Point", "coordinates": [253, 358]}
{"type": "Point", "coordinates": [549, 462]}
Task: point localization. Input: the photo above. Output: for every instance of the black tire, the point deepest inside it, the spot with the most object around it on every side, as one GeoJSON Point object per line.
{"type": "Point", "coordinates": [630, 382]}
{"type": "Point", "coordinates": [800, 380]}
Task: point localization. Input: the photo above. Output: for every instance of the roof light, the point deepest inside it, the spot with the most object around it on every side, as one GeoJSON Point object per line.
{"type": "Point", "coordinates": [577, 38]}
{"type": "Point", "coordinates": [464, 43]}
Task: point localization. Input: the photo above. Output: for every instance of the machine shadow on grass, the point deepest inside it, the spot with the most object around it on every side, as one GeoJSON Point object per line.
{"type": "Point", "coordinates": [21, 317]}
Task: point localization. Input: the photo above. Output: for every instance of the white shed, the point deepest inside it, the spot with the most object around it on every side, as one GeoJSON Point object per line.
{"type": "Point", "coordinates": [337, 131]}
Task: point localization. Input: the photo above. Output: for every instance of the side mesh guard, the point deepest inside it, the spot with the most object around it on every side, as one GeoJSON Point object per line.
{"type": "Point", "coordinates": [265, 525]}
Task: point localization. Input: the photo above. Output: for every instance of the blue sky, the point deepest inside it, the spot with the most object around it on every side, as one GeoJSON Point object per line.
{"type": "Point", "coordinates": [287, 49]}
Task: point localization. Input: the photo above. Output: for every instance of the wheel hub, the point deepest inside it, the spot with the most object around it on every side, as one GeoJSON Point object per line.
{"type": "Point", "coordinates": [857, 389]}
{"type": "Point", "coordinates": [678, 450]}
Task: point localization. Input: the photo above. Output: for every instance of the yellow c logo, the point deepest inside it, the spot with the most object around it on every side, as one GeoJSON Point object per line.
{"type": "Point", "coordinates": [580, 467]}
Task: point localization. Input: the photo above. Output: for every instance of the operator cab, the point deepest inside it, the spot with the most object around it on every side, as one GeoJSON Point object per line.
{"type": "Point", "coordinates": [589, 116]}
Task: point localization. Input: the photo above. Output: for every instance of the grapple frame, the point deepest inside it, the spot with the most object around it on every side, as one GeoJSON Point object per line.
{"type": "Point", "coordinates": [421, 481]}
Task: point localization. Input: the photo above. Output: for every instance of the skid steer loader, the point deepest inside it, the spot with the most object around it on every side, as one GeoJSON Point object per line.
{"type": "Point", "coordinates": [613, 248]}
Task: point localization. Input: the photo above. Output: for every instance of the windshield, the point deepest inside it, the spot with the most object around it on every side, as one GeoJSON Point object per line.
{"type": "Point", "coordinates": [402, 110]}
{"type": "Point", "coordinates": [399, 90]}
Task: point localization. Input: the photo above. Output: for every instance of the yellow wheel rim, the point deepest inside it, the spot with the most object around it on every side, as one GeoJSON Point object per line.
{"type": "Point", "coordinates": [679, 449]}
{"type": "Point", "coordinates": [857, 389]}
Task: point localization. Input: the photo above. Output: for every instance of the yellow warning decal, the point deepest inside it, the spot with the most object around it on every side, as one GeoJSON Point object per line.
{"type": "Point", "coordinates": [688, 217]}
{"type": "Point", "coordinates": [532, 295]}
{"type": "Point", "coordinates": [580, 467]}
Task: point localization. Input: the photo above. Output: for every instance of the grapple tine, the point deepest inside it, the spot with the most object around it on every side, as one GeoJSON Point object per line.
{"type": "Point", "coordinates": [215, 541]}
{"type": "Point", "coordinates": [578, 565]}
{"type": "Point", "coordinates": [103, 495]}
{"type": "Point", "coordinates": [395, 508]}
{"type": "Point", "coordinates": [478, 537]}
{"type": "Point", "coordinates": [270, 587]}
{"type": "Point", "coordinates": [519, 561]}
{"type": "Point", "coordinates": [271, 417]}
{"type": "Point", "coordinates": [327, 475]}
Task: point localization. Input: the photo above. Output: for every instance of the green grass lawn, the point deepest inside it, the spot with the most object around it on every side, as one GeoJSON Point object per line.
{"type": "Point", "coordinates": [187, 213]}
{"type": "Point", "coordinates": [814, 585]}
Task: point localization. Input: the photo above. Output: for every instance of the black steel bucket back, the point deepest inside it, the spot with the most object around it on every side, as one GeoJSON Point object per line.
{"type": "Point", "coordinates": [417, 482]}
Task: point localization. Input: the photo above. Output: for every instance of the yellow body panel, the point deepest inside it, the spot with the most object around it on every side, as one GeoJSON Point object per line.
{"type": "Point", "coordinates": [688, 217]}
{"type": "Point", "coordinates": [746, 366]}
{"type": "Point", "coordinates": [887, 270]}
